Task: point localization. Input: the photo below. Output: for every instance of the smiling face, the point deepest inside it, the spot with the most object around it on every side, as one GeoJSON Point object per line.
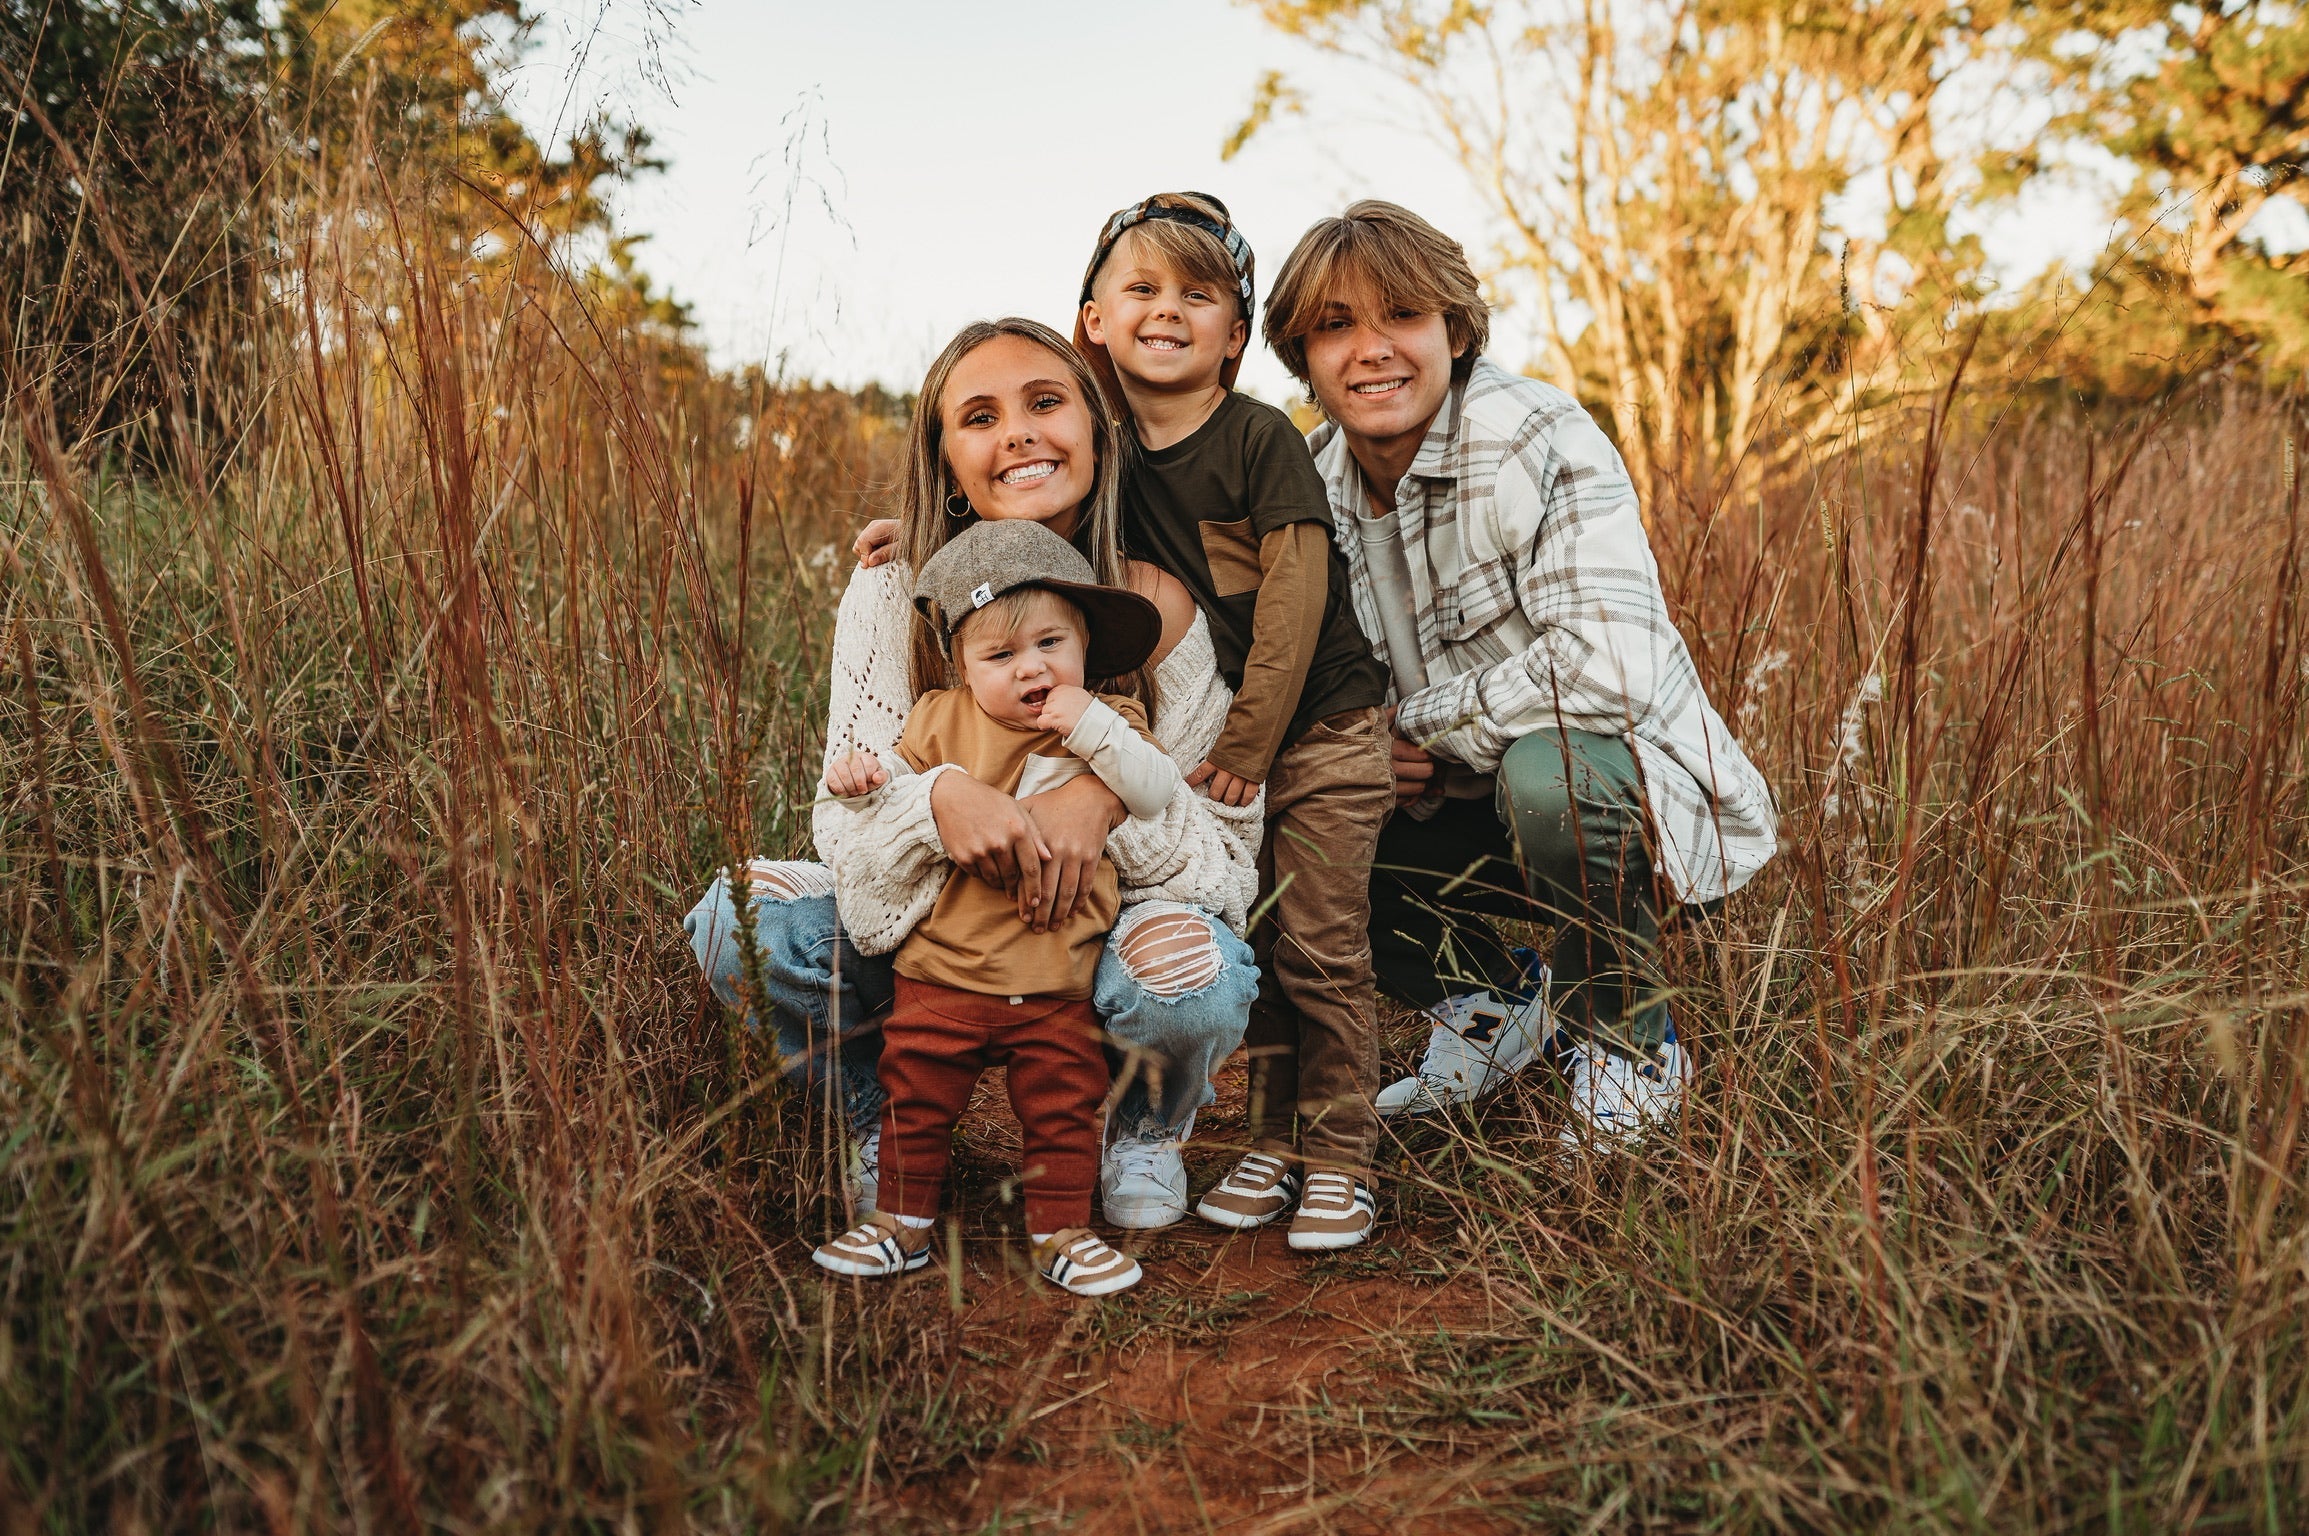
{"type": "Point", "coordinates": [1165, 331]}
{"type": "Point", "coordinates": [1380, 372]}
{"type": "Point", "coordinates": [1017, 434]}
{"type": "Point", "coordinates": [1011, 655]}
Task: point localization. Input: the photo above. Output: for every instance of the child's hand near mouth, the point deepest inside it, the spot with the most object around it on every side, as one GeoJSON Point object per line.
{"type": "Point", "coordinates": [1061, 709]}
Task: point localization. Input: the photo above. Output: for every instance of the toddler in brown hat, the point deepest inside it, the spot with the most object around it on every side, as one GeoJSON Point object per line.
{"type": "Point", "coordinates": [1024, 623]}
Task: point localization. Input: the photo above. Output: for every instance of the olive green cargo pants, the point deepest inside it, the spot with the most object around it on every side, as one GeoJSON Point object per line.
{"type": "Point", "coordinates": [1564, 841]}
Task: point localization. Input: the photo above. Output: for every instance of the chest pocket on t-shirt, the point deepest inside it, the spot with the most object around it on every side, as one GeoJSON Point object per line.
{"type": "Point", "coordinates": [1232, 551]}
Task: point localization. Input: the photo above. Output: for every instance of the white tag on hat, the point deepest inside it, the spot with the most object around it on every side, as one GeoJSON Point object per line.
{"type": "Point", "coordinates": [982, 594]}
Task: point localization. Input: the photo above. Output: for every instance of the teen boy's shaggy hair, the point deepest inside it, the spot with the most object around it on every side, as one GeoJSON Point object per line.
{"type": "Point", "coordinates": [1384, 253]}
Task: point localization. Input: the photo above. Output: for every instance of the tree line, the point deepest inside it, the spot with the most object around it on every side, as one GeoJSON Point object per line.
{"type": "Point", "coordinates": [1739, 229]}
{"type": "Point", "coordinates": [1739, 226]}
{"type": "Point", "coordinates": [160, 155]}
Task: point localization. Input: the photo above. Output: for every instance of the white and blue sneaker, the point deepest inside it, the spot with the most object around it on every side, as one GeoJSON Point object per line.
{"type": "Point", "coordinates": [1615, 1099]}
{"type": "Point", "coordinates": [862, 1170]}
{"type": "Point", "coordinates": [1478, 1041]}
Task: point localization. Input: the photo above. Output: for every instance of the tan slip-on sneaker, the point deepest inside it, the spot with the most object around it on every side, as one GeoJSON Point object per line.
{"type": "Point", "coordinates": [1336, 1212]}
{"type": "Point", "coordinates": [1255, 1191]}
{"type": "Point", "coordinates": [1077, 1260]}
{"type": "Point", "coordinates": [877, 1246]}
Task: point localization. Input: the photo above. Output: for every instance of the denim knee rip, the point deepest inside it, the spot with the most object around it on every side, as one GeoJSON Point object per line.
{"type": "Point", "coordinates": [1169, 949]}
{"type": "Point", "coordinates": [786, 879]}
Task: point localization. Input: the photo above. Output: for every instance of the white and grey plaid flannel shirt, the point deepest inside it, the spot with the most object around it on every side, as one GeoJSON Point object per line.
{"type": "Point", "coordinates": [1538, 604]}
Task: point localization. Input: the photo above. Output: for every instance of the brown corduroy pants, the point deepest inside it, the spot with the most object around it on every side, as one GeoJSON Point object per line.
{"type": "Point", "coordinates": [1313, 1036]}
{"type": "Point", "coordinates": [936, 1044]}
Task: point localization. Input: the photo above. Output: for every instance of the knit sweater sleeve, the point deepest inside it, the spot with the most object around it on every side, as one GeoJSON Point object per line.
{"type": "Point", "coordinates": [884, 851]}
{"type": "Point", "coordinates": [1196, 850]}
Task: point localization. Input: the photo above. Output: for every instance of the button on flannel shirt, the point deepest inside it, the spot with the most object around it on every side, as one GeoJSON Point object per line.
{"type": "Point", "coordinates": [1538, 604]}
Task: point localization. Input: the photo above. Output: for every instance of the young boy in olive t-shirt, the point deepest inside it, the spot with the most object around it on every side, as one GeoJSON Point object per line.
{"type": "Point", "coordinates": [1221, 492]}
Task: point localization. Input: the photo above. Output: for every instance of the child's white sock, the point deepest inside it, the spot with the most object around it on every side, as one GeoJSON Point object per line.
{"type": "Point", "coordinates": [914, 1223]}
{"type": "Point", "coordinates": [1040, 1238]}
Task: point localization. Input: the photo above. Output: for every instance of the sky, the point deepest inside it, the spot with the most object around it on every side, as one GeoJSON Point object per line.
{"type": "Point", "coordinates": [852, 182]}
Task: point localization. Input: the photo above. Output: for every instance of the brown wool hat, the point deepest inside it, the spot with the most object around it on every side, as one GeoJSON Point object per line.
{"type": "Point", "coordinates": [988, 559]}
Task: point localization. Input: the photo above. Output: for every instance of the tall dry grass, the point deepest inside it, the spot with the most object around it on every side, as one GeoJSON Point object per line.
{"type": "Point", "coordinates": [1989, 1215]}
{"type": "Point", "coordinates": [370, 1157]}
{"type": "Point", "coordinates": [363, 1114]}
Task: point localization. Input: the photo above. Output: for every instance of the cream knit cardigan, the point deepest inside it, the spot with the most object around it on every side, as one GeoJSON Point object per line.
{"type": "Point", "coordinates": [887, 861]}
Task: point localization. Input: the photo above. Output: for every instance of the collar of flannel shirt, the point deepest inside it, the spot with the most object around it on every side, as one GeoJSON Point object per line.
{"type": "Point", "coordinates": [1440, 456]}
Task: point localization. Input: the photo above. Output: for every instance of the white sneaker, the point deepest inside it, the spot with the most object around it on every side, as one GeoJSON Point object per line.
{"type": "Point", "coordinates": [1615, 1099]}
{"type": "Point", "coordinates": [863, 1171]}
{"type": "Point", "coordinates": [1479, 1041]}
{"type": "Point", "coordinates": [1143, 1183]}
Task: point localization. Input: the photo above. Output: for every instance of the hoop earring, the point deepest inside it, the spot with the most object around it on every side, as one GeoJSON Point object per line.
{"type": "Point", "coordinates": [966, 509]}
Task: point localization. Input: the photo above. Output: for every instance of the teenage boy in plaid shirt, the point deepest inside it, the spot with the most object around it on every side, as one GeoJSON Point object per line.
{"type": "Point", "coordinates": [1555, 757]}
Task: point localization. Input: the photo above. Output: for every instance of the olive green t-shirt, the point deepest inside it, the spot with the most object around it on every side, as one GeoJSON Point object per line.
{"type": "Point", "coordinates": [1237, 511]}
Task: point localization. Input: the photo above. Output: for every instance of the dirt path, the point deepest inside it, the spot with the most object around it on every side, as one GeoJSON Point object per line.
{"type": "Point", "coordinates": [1240, 1387]}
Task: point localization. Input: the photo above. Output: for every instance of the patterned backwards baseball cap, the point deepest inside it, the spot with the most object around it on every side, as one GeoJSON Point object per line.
{"type": "Point", "coordinates": [1164, 206]}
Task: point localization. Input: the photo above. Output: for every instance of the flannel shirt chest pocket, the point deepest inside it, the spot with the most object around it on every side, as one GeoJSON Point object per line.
{"type": "Point", "coordinates": [1471, 568]}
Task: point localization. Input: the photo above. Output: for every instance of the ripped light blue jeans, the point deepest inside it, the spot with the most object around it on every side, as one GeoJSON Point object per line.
{"type": "Point", "coordinates": [1174, 988]}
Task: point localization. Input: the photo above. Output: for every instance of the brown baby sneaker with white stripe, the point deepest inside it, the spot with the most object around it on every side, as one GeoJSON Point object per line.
{"type": "Point", "coordinates": [1255, 1191]}
{"type": "Point", "coordinates": [1078, 1260]}
{"type": "Point", "coordinates": [879, 1245]}
{"type": "Point", "coordinates": [1336, 1212]}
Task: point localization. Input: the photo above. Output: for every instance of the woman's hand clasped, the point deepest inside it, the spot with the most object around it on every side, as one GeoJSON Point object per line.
{"type": "Point", "coordinates": [1225, 787]}
{"type": "Point", "coordinates": [1073, 821]}
{"type": "Point", "coordinates": [988, 834]}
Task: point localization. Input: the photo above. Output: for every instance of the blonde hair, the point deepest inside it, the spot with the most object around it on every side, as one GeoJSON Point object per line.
{"type": "Point", "coordinates": [1388, 252]}
{"type": "Point", "coordinates": [1014, 609]}
{"type": "Point", "coordinates": [926, 489]}
{"type": "Point", "coordinates": [1190, 254]}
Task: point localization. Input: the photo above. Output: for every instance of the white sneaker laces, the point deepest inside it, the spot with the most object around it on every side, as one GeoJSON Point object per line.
{"type": "Point", "coordinates": [1142, 1159]}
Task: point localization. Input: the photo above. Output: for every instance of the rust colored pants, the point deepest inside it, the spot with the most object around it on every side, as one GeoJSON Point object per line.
{"type": "Point", "coordinates": [936, 1043]}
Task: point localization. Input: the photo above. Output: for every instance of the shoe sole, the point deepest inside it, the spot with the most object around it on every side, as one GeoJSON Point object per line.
{"type": "Point", "coordinates": [913, 1262]}
{"type": "Point", "coordinates": [1144, 1218]}
{"type": "Point", "coordinates": [1326, 1242]}
{"type": "Point", "coordinates": [1238, 1221]}
{"type": "Point", "coordinates": [1429, 1104]}
{"type": "Point", "coordinates": [1413, 1108]}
